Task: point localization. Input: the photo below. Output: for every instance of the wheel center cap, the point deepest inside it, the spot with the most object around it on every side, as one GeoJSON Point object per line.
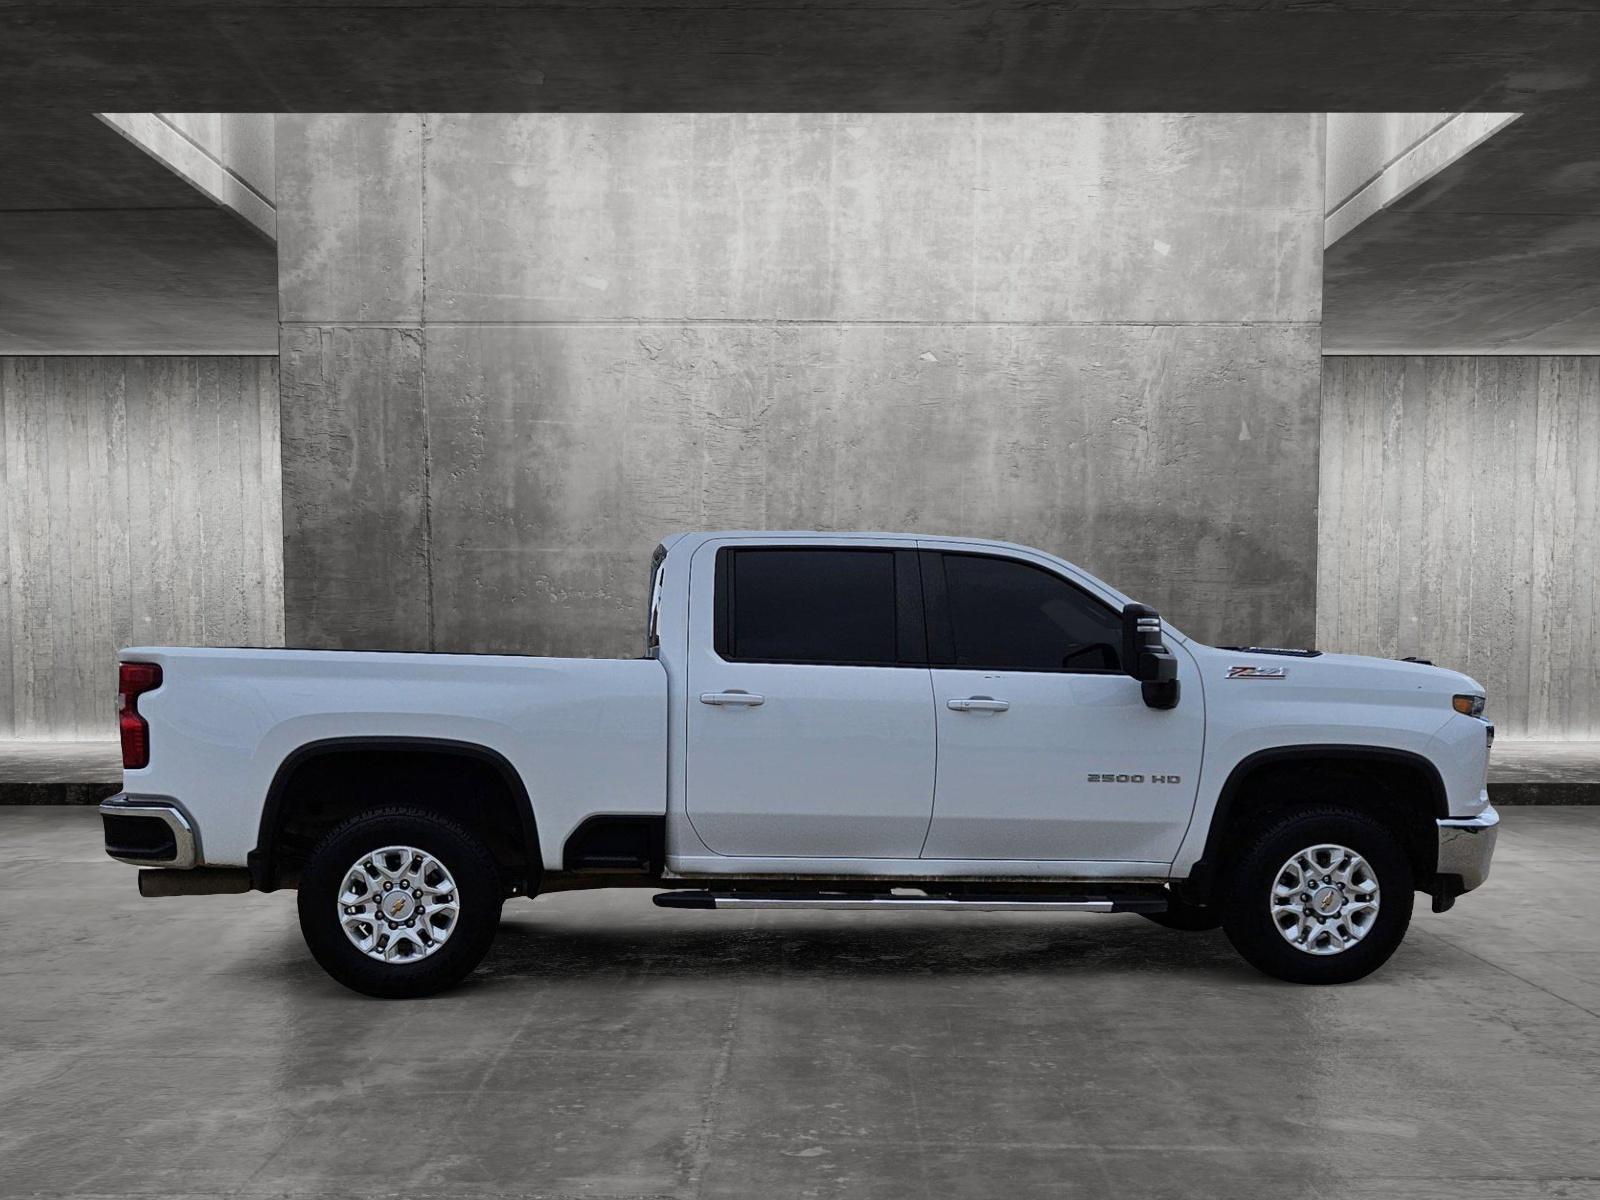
{"type": "Point", "coordinates": [1326, 900]}
{"type": "Point", "coordinates": [398, 906]}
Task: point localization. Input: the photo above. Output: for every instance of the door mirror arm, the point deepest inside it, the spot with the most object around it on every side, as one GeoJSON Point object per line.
{"type": "Point", "coordinates": [1146, 657]}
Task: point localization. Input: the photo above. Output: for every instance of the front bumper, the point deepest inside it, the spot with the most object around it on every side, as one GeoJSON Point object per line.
{"type": "Point", "coordinates": [149, 831]}
{"type": "Point", "coordinates": [1465, 846]}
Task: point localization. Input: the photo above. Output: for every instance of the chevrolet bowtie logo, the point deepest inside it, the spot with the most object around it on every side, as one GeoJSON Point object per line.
{"type": "Point", "coordinates": [399, 905]}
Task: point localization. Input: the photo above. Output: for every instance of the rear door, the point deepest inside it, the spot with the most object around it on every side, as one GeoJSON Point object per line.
{"type": "Point", "coordinates": [810, 711]}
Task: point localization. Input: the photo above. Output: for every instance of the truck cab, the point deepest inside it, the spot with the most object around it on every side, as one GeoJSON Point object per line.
{"type": "Point", "coordinates": [861, 704]}
{"type": "Point", "coordinates": [845, 720]}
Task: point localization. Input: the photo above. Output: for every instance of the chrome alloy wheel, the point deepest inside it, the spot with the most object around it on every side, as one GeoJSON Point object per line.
{"type": "Point", "coordinates": [398, 904]}
{"type": "Point", "coordinates": [1324, 899]}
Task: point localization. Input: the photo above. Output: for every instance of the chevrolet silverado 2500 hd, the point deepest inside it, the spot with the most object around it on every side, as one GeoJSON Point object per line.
{"type": "Point", "coordinates": [824, 720]}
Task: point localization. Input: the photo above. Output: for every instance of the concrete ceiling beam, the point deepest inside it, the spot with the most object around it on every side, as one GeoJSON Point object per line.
{"type": "Point", "coordinates": [787, 55]}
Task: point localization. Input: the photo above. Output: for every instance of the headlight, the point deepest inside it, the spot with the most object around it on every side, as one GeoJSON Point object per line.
{"type": "Point", "coordinates": [1468, 706]}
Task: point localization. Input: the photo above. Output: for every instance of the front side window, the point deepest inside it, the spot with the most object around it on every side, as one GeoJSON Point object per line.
{"type": "Point", "coordinates": [1011, 615]}
{"type": "Point", "coordinates": [808, 606]}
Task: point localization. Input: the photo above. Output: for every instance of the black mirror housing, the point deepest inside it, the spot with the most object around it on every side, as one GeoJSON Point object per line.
{"type": "Point", "coordinates": [1146, 657]}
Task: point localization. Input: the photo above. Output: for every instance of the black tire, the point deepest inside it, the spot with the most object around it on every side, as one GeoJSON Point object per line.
{"type": "Point", "coordinates": [1187, 918]}
{"type": "Point", "coordinates": [1246, 903]}
{"type": "Point", "coordinates": [478, 893]}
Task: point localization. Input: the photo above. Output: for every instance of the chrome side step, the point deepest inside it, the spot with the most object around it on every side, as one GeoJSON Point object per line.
{"type": "Point", "coordinates": [875, 900]}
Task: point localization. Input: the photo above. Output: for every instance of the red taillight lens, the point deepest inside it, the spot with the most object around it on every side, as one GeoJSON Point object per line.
{"type": "Point", "coordinates": [134, 679]}
{"type": "Point", "coordinates": [135, 740]}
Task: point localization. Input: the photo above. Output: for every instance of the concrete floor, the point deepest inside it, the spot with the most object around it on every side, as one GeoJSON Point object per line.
{"type": "Point", "coordinates": [611, 1049]}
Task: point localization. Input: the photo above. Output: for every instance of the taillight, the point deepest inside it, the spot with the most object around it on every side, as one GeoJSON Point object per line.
{"type": "Point", "coordinates": [133, 680]}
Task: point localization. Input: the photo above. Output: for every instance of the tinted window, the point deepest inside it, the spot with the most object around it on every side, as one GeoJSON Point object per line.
{"type": "Point", "coordinates": [815, 606]}
{"type": "Point", "coordinates": [1009, 615]}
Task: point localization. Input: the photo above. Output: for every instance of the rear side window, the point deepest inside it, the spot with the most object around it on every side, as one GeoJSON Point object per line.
{"type": "Point", "coordinates": [808, 606]}
{"type": "Point", "coordinates": [1010, 615]}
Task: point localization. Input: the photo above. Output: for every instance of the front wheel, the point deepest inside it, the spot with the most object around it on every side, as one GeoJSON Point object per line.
{"type": "Point", "coordinates": [1321, 896]}
{"type": "Point", "coordinates": [399, 902]}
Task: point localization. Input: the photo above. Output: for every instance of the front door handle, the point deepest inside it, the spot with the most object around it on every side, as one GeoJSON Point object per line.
{"type": "Point", "coordinates": [747, 699]}
{"type": "Point", "coordinates": [978, 704]}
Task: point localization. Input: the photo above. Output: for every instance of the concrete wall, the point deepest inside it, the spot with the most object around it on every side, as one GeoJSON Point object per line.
{"type": "Point", "coordinates": [517, 350]}
{"type": "Point", "coordinates": [1459, 506]}
{"type": "Point", "coordinates": [139, 503]}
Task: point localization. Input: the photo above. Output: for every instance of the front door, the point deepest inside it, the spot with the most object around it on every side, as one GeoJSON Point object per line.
{"type": "Point", "coordinates": [1046, 748]}
{"type": "Point", "coordinates": [810, 714]}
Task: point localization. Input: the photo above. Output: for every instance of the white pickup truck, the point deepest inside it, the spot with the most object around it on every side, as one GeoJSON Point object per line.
{"type": "Point", "coordinates": [818, 720]}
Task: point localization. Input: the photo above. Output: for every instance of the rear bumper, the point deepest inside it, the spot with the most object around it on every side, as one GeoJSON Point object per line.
{"type": "Point", "coordinates": [149, 831]}
{"type": "Point", "coordinates": [1466, 844]}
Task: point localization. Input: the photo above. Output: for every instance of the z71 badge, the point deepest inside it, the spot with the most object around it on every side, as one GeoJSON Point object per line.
{"type": "Point", "coordinates": [1258, 672]}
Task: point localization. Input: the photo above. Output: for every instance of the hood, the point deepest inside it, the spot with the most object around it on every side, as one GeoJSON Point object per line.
{"type": "Point", "coordinates": [1313, 668]}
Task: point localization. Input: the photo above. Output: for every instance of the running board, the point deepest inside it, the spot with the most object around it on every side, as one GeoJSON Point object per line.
{"type": "Point", "coordinates": [871, 900]}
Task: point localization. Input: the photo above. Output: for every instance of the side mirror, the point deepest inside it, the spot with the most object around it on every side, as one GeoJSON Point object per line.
{"type": "Point", "coordinates": [1146, 657]}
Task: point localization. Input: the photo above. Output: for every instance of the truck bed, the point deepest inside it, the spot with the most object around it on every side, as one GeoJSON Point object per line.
{"type": "Point", "coordinates": [586, 736]}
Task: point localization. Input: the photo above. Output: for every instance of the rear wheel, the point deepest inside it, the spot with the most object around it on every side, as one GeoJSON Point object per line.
{"type": "Point", "coordinates": [1321, 896]}
{"type": "Point", "coordinates": [399, 902]}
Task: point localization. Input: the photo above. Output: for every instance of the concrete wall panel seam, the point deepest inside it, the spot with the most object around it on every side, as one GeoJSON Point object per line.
{"type": "Point", "coordinates": [422, 367]}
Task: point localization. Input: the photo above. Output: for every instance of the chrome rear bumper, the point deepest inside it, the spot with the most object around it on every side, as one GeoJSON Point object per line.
{"type": "Point", "coordinates": [149, 831]}
{"type": "Point", "coordinates": [1465, 846]}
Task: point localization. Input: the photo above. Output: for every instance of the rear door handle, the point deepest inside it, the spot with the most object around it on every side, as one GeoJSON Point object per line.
{"type": "Point", "coordinates": [747, 699]}
{"type": "Point", "coordinates": [978, 704]}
